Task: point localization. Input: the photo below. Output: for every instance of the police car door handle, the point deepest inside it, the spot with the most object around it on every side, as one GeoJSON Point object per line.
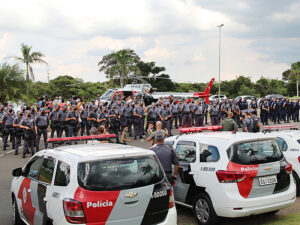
{"type": "Point", "coordinates": [55, 195]}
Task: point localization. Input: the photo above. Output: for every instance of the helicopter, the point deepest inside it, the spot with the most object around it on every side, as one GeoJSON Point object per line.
{"type": "Point", "coordinates": [149, 94]}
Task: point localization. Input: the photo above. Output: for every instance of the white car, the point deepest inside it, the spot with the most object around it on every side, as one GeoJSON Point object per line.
{"type": "Point", "coordinates": [249, 98]}
{"type": "Point", "coordinates": [289, 142]}
{"type": "Point", "coordinates": [231, 175]}
{"type": "Point", "coordinates": [93, 184]}
{"type": "Point", "coordinates": [217, 97]}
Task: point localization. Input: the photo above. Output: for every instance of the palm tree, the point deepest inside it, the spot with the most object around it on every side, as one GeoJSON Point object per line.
{"type": "Point", "coordinates": [28, 58]}
{"type": "Point", "coordinates": [11, 82]}
{"type": "Point", "coordinates": [120, 63]}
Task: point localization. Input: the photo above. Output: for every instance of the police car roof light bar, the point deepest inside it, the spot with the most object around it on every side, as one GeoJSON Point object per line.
{"type": "Point", "coordinates": [269, 129]}
{"type": "Point", "coordinates": [199, 129]}
{"type": "Point", "coordinates": [82, 138]}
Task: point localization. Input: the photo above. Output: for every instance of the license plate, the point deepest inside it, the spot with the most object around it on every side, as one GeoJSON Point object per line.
{"type": "Point", "coordinates": [267, 180]}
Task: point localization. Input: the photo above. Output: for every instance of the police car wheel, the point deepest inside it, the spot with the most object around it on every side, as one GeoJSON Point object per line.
{"type": "Point", "coordinates": [16, 216]}
{"type": "Point", "coordinates": [203, 210]}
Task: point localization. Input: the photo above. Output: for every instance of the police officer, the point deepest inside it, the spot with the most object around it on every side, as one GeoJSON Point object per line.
{"type": "Point", "coordinates": [165, 116]}
{"type": "Point", "coordinates": [296, 111]}
{"type": "Point", "coordinates": [121, 116]}
{"type": "Point", "coordinates": [8, 129]}
{"type": "Point", "coordinates": [199, 114]}
{"type": "Point", "coordinates": [73, 102]}
{"type": "Point", "coordinates": [244, 105]}
{"type": "Point", "coordinates": [276, 111]}
{"type": "Point", "coordinates": [28, 124]}
{"type": "Point", "coordinates": [18, 130]}
{"type": "Point", "coordinates": [265, 112]}
{"type": "Point", "coordinates": [246, 122]}
{"type": "Point", "coordinates": [62, 115]}
{"type": "Point", "coordinates": [175, 115]}
{"type": "Point", "coordinates": [214, 114]}
{"type": "Point", "coordinates": [103, 118]}
{"type": "Point", "coordinates": [138, 114]}
{"type": "Point", "coordinates": [229, 124]}
{"type": "Point", "coordinates": [289, 109]}
{"type": "Point", "coordinates": [114, 120]}
{"type": "Point", "coordinates": [92, 117]}
{"type": "Point", "coordinates": [42, 123]}
{"type": "Point", "coordinates": [1, 117]}
{"type": "Point", "coordinates": [186, 117]}
{"type": "Point", "coordinates": [205, 105]}
{"type": "Point", "coordinates": [224, 109]}
{"type": "Point", "coordinates": [166, 156]}
{"type": "Point", "coordinates": [53, 116]}
{"type": "Point", "coordinates": [151, 117]}
{"type": "Point", "coordinates": [84, 122]}
{"type": "Point", "coordinates": [192, 107]}
{"type": "Point", "coordinates": [72, 122]}
{"type": "Point", "coordinates": [128, 114]}
{"type": "Point", "coordinates": [235, 109]}
{"type": "Point", "coordinates": [255, 122]}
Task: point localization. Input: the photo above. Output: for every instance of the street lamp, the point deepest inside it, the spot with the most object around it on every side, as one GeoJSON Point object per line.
{"type": "Point", "coordinates": [220, 26]}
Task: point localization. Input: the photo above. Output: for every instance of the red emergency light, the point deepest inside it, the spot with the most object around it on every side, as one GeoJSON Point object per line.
{"type": "Point", "coordinates": [103, 137]}
{"type": "Point", "coordinates": [199, 129]}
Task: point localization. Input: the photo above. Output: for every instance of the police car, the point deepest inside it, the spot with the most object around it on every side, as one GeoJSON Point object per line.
{"type": "Point", "coordinates": [289, 143]}
{"type": "Point", "coordinates": [93, 184]}
{"type": "Point", "coordinates": [231, 175]}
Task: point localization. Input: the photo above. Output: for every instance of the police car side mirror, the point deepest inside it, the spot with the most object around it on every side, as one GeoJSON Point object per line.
{"type": "Point", "coordinates": [17, 172]}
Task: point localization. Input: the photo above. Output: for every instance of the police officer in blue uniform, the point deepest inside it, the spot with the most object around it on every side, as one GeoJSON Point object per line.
{"type": "Point", "coordinates": [55, 124]}
{"type": "Point", "coordinates": [296, 111]}
{"type": "Point", "coordinates": [92, 117]}
{"type": "Point", "coordinates": [84, 122]}
{"type": "Point", "coordinates": [138, 114]}
{"type": "Point", "coordinates": [72, 122]}
{"type": "Point", "coordinates": [289, 109]}
{"type": "Point", "coordinates": [1, 117]}
{"type": "Point", "coordinates": [165, 116]}
{"type": "Point", "coordinates": [42, 123]}
{"type": "Point", "coordinates": [114, 120]}
{"type": "Point", "coordinates": [28, 124]}
{"type": "Point", "coordinates": [276, 111]}
{"type": "Point", "coordinates": [18, 130]}
{"type": "Point", "coordinates": [62, 116]}
{"type": "Point", "coordinates": [8, 129]}
{"type": "Point", "coordinates": [128, 114]}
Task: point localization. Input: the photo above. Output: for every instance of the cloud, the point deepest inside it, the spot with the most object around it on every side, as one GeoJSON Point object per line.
{"type": "Point", "coordinates": [259, 37]}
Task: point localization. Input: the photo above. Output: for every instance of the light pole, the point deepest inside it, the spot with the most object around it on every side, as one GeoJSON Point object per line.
{"type": "Point", "coordinates": [220, 26]}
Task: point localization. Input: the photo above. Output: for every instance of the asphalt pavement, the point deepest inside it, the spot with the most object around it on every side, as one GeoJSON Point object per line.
{"type": "Point", "coordinates": [8, 162]}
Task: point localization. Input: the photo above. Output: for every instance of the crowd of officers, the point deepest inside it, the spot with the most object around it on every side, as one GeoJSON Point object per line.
{"type": "Point", "coordinates": [77, 118]}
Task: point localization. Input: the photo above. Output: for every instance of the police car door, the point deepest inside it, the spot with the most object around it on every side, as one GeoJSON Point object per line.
{"type": "Point", "coordinates": [55, 191]}
{"type": "Point", "coordinates": [206, 169]}
{"type": "Point", "coordinates": [186, 150]}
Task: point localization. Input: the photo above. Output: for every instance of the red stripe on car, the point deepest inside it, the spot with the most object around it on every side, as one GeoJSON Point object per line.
{"type": "Point", "coordinates": [97, 205]}
{"type": "Point", "coordinates": [25, 196]}
{"type": "Point", "coordinates": [244, 186]}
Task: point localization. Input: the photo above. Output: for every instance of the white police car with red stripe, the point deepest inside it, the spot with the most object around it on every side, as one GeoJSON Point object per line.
{"type": "Point", "coordinates": [289, 143]}
{"type": "Point", "coordinates": [222, 174]}
{"type": "Point", "coordinates": [97, 184]}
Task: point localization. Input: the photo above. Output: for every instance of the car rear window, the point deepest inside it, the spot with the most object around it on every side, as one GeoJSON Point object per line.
{"type": "Point", "coordinates": [119, 174]}
{"type": "Point", "coordinates": [254, 152]}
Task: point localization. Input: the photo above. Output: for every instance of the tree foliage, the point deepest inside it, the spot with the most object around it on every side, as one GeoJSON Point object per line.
{"type": "Point", "coordinates": [28, 58]}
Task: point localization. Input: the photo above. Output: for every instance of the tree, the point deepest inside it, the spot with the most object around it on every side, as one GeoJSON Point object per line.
{"type": "Point", "coordinates": [12, 83]}
{"type": "Point", "coordinates": [28, 58]}
{"type": "Point", "coordinates": [121, 63]}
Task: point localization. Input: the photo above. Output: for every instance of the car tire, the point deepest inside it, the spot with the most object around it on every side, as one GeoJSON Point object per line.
{"type": "Point", "coordinates": [16, 216]}
{"type": "Point", "coordinates": [203, 210]}
{"type": "Point", "coordinates": [297, 182]}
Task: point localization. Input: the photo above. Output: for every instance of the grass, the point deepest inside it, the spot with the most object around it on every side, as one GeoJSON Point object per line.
{"type": "Point", "coordinates": [293, 219]}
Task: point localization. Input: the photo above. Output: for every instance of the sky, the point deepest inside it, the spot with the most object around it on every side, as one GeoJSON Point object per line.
{"type": "Point", "coordinates": [259, 38]}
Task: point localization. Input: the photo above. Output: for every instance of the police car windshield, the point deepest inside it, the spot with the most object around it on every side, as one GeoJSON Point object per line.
{"type": "Point", "coordinates": [119, 174]}
{"type": "Point", "coordinates": [256, 152]}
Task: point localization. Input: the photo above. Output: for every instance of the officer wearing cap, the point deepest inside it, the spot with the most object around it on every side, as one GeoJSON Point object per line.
{"type": "Point", "coordinates": [28, 124]}
{"type": "Point", "coordinates": [214, 113]}
{"type": "Point", "coordinates": [7, 123]}
{"type": "Point", "coordinates": [92, 117]}
{"type": "Point", "coordinates": [42, 123]}
{"type": "Point", "coordinates": [72, 122]}
{"type": "Point", "coordinates": [84, 122]}
{"type": "Point", "coordinates": [19, 130]}
{"type": "Point", "coordinates": [186, 117]}
{"type": "Point", "coordinates": [128, 114]}
{"type": "Point", "coordinates": [138, 114]}
{"type": "Point", "coordinates": [198, 111]}
{"type": "Point", "coordinates": [53, 116]}
{"type": "Point", "coordinates": [151, 115]}
{"type": "Point", "coordinates": [165, 116]}
{"type": "Point", "coordinates": [114, 120]}
{"type": "Point", "coordinates": [166, 156]}
{"type": "Point", "coordinates": [62, 115]}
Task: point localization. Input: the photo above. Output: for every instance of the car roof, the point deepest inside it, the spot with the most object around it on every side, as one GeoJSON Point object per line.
{"type": "Point", "coordinates": [218, 138]}
{"type": "Point", "coordinates": [96, 151]}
